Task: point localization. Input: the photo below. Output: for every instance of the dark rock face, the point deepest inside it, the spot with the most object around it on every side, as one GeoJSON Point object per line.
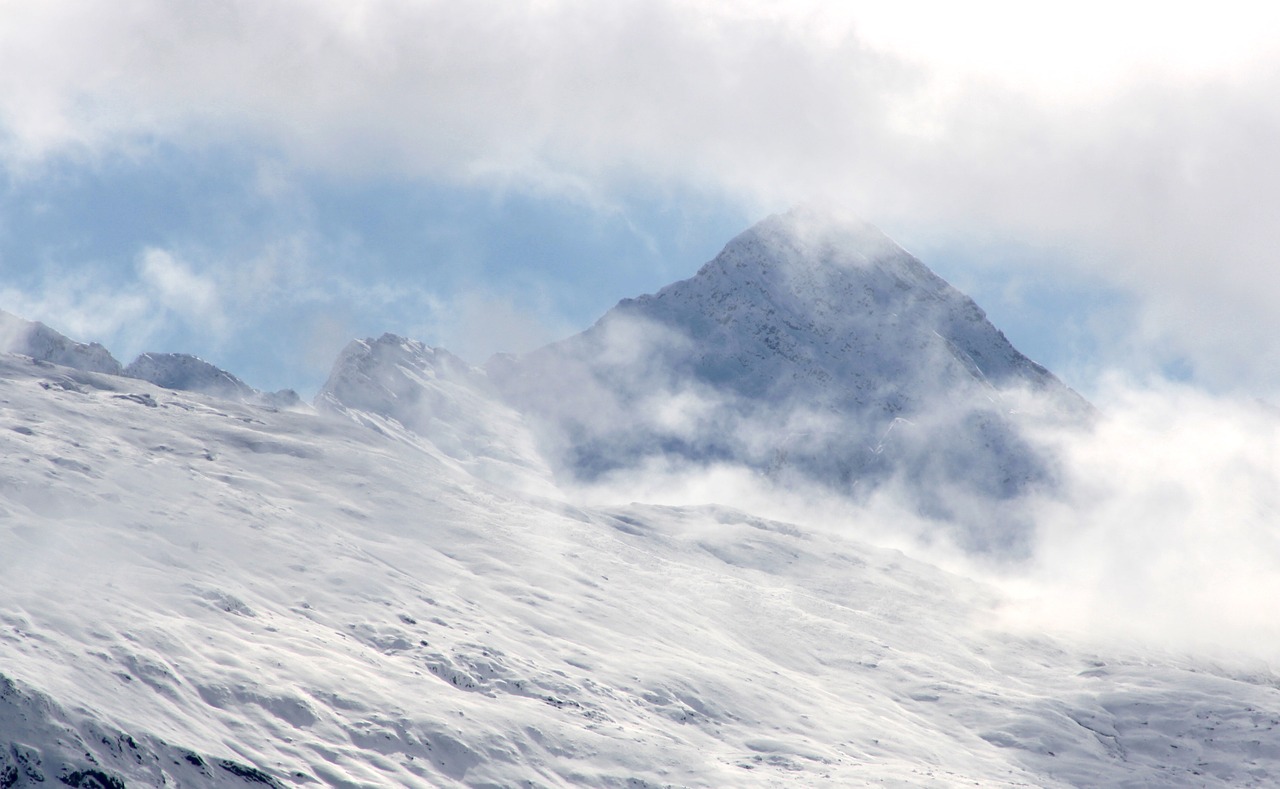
{"type": "Point", "coordinates": [184, 372]}
{"type": "Point", "coordinates": [41, 743]}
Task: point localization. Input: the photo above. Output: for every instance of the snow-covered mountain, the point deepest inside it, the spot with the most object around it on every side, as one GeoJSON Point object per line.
{"type": "Point", "coordinates": [170, 370]}
{"type": "Point", "coordinates": [198, 589]}
{"type": "Point", "coordinates": [200, 592]}
{"type": "Point", "coordinates": [189, 373]}
{"type": "Point", "coordinates": [38, 341]}
{"type": "Point", "coordinates": [811, 346]}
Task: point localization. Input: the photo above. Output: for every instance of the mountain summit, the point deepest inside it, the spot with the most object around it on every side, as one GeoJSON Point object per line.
{"type": "Point", "coordinates": [184, 372]}
{"type": "Point", "coordinates": [34, 339]}
{"type": "Point", "coordinates": [812, 346]}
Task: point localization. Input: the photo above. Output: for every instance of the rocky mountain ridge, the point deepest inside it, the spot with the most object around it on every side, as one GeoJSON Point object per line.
{"type": "Point", "coordinates": [177, 371]}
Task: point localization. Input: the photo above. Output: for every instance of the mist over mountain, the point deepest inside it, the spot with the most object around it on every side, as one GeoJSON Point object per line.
{"type": "Point", "coordinates": [402, 387]}
{"type": "Point", "coordinates": [401, 584]}
{"type": "Point", "coordinates": [812, 346]}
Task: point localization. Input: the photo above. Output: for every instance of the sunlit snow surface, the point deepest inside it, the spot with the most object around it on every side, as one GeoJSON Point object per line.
{"type": "Point", "coordinates": [196, 592]}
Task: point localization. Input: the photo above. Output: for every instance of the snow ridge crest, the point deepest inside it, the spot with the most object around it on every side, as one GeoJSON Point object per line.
{"type": "Point", "coordinates": [184, 372]}
{"type": "Point", "coordinates": [34, 339]}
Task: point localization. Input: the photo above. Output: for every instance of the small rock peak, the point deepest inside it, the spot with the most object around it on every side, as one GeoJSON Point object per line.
{"type": "Point", "coordinates": [183, 371]}
{"type": "Point", "coordinates": [187, 373]}
{"type": "Point", "coordinates": [369, 353]}
{"type": "Point", "coordinates": [388, 338]}
{"type": "Point", "coordinates": [34, 339]}
{"type": "Point", "coordinates": [369, 373]}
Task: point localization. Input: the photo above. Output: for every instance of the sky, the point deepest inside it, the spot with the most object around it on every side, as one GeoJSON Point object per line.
{"type": "Point", "coordinates": [258, 182]}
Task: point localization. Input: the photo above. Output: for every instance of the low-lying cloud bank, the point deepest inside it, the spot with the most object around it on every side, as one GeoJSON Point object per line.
{"type": "Point", "coordinates": [1163, 529]}
{"type": "Point", "coordinates": [1169, 524]}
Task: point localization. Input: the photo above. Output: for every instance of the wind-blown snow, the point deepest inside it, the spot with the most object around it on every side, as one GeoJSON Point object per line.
{"type": "Point", "coordinates": [429, 396]}
{"type": "Point", "coordinates": [196, 590]}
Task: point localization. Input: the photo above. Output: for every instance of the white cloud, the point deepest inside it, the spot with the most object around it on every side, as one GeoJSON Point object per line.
{"type": "Point", "coordinates": [1166, 531]}
{"type": "Point", "coordinates": [1162, 534]}
{"type": "Point", "coordinates": [173, 286]}
{"type": "Point", "coordinates": [568, 88]}
{"type": "Point", "coordinates": [1141, 137]}
{"type": "Point", "coordinates": [88, 305]}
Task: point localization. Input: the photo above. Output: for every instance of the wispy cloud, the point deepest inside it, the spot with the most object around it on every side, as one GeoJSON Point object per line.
{"type": "Point", "coordinates": [1166, 529]}
{"type": "Point", "coordinates": [1140, 138]}
{"type": "Point", "coordinates": [90, 306]}
{"type": "Point", "coordinates": [173, 296]}
{"type": "Point", "coordinates": [174, 287]}
{"type": "Point", "coordinates": [1160, 534]}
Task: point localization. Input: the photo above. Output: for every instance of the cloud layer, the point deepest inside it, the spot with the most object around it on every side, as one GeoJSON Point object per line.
{"type": "Point", "coordinates": [1166, 530]}
{"type": "Point", "coordinates": [1140, 139]}
{"type": "Point", "coordinates": [1161, 534]}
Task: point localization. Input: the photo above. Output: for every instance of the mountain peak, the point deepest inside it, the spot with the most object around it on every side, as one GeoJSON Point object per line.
{"type": "Point", "coordinates": [814, 284]}
{"type": "Point", "coordinates": [184, 372]}
{"type": "Point", "coordinates": [809, 240]}
{"type": "Point", "coordinates": [814, 233]}
{"type": "Point", "coordinates": [34, 339]}
{"type": "Point", "coordinates": [798, 349]}
{"type": "Point", "coordinates": [387, 376]}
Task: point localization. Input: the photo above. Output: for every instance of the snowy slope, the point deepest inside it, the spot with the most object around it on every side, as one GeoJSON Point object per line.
{"type": "Point", "coordinates": [812, 345]}
{"type": "Point", "coordinates": [189, 373]}
{"type": "Point", "coordinates": [199, 592]}
{"type": "Point", "coordinates": [429, 397]}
